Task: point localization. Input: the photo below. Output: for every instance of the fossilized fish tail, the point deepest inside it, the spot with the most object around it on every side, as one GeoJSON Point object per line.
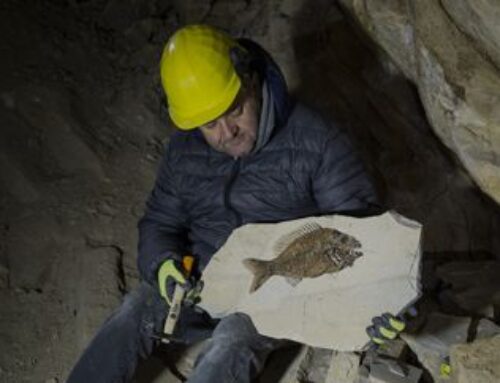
{"type": "Point", "coordinates": [260, 270]}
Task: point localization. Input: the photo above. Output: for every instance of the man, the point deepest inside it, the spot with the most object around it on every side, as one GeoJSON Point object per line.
{"type": "Point", "coordinates": [245, 152]}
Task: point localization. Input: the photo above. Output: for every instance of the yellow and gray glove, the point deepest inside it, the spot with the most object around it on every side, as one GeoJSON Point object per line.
{"type": "Point", "coordinates": [171, 273]}
{"type": "Point", "coordinates": [385, 327]}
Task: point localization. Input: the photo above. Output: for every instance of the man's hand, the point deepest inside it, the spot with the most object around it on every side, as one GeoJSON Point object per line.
{"type": "Point", "coordinates": [172, 272]}
{"type": "Point", "coordinates": [385, 327]}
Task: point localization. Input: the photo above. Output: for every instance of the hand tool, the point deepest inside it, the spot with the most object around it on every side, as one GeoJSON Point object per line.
{"type": "Point", "coordinates": [175, 308]}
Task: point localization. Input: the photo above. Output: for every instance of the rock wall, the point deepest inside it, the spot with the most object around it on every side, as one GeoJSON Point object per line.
{"type": "Point", "coordinates": [83, 122]}
{"type": "Point", "coordinates": [80, 135]}
{"type": "Point", "coordinates": [451, 51]}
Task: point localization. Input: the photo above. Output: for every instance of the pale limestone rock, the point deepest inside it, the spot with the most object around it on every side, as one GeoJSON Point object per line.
{"type": "Point", "coordinates": [486, 329]}
{"type": "Point", "coordinates": [343, 368]}
{"type": "Point", "coordinates": [432, 343]}
{"type": "Point", "coordinates": [314, 366]}
{"type": "Point", "coordinates": [452, 56]}
{"type": "Point", "coordinates": [390, 371]}
{"type": "Point", "coordinates": [333, 310]}
{"type": "Point", "coordinates": [479, 20]}
{"type": "Point", "coordinates": [395, 349]}
{"type": "Point", "coordinates": [477, 362]}
{"type": "Point", "coordinates": [460, 91]}
{"type": "Point", "coordinates": [291, 373]}
{"type": "Point", "coordinates": [390, 26]}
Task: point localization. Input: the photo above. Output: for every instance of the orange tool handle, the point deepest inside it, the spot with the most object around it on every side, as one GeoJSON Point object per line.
{"type": "Point", "coordinates": [187, 263]}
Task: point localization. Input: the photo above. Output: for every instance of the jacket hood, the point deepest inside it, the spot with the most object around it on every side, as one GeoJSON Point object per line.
{"type": "Point", "coordinates": [270, 73]}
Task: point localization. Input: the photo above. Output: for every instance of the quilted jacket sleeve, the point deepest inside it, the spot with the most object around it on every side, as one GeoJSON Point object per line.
{"type": "Point", "coordinates": [163, 228]}
{"type": "Point", "coordinates": [341, 184]}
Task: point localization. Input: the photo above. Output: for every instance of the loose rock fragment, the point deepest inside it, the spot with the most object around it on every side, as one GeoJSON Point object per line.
{"type": "Point", "coordinates": [486, 329]}
{"type": "Point", "coordinates": [477, 362]}
{"type": "Point", "coordinates": [344, 368]}
{"type": "Point", "coordinates": [432, 343]}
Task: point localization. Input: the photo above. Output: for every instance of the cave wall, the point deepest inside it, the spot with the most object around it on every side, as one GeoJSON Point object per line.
{"type": "Point", "coordinates": [83, 122]}
{"type": "Point", "coordinates": [450, 50]}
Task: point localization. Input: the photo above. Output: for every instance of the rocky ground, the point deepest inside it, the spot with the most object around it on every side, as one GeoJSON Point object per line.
{"type": "Point", "coordinates": [83, 123]}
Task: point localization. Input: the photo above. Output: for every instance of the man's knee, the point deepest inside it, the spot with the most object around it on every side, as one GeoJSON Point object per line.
{"type": "Point", "coordinates": [236, 348]}
{"type": "Point", "coordinates": [235, 328]}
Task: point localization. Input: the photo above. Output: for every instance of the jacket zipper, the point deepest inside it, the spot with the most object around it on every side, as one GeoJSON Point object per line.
{"type": "Point", "coordinates": [227, 192]}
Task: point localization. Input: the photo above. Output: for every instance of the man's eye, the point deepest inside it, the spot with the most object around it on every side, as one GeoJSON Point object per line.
{"type": "Point", "coordinates": [209, 125]}
{"type": "Point", "coordinates": [237, 111]}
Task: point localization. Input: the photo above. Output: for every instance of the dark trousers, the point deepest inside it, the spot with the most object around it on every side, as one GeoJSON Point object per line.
{"type": "Point", "coordinates": [235, 352]}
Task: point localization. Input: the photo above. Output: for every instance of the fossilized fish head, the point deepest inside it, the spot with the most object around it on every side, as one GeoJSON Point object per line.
{"type": "Point", "coordinates": [342, 239]}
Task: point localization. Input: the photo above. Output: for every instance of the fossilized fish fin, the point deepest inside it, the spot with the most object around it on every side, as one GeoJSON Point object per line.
{"type": "Point", "coordinates": [260, 270]}
{"type": "Point", "coordinates": [282, 243]}
{"type": "Point", "coordinates": [293, 281]}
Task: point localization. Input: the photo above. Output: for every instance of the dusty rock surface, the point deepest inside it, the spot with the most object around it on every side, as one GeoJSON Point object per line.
{"type": "Point", "coordinates": [80, 136]}
{"type": "Point", "coordinates": [343, 368]}
{"type": "Point", "coordinates": [82, 124]}
{"type": "Point", "coordinates": [431, 345]}
{"type": "Point", "coordinates": [450, 50]}
{"type": "Point", "coordinates": [477, 362]}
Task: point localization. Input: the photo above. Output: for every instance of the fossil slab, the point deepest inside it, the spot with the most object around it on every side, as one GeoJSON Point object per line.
{"type": "Point", "coordinates": [333, 309]}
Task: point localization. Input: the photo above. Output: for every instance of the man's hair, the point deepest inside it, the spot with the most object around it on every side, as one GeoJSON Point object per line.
{"type": "Point", "coordinates": [243, 62]}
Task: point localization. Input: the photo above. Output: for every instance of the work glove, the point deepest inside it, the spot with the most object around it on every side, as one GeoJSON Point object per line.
{"type": "Point", "coordinates": [387, 326]}
{"type": "Point", "coordinates": [171, 273]}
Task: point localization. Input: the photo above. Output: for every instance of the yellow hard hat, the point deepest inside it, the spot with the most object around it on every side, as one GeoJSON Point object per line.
{"type": "Point", "coordinates": [198, 76]}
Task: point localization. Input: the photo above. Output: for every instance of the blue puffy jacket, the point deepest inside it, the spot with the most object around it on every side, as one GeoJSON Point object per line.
{"type": "Point", "coordinates": [307, 167]}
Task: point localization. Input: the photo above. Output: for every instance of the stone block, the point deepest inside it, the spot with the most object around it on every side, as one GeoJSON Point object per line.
{"type": "Point", "coordinates": [395, 349]}
{"type": "Point", "coordinates": [344, 368]}
{"type": "Point", "coordinates": [432, 343]}
{"type": "Point", "coordinates": [329, 311]}
{"type": "Point", "coordinates": [477, 362]}
{"type": "Point", "coordinates": [486, 329]}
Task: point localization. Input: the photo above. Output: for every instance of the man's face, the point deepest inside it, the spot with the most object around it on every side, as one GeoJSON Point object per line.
{"type": "Point", "coordinates": [235, 132]}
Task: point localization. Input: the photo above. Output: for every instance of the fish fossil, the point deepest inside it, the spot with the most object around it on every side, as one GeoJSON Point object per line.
{"type": "Point", "coordinates": [308, 252]}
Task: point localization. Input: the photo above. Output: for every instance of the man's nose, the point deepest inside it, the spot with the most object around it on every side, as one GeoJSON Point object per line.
{"type": "Point", "coordinates": [227, 128]}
